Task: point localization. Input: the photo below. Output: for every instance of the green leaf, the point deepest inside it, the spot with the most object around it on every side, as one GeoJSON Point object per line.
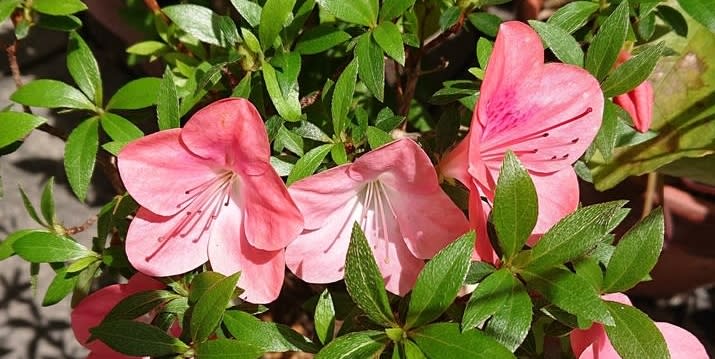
{"type": "Point", "coordinates": [227, 349]}
{"type": "Point", "coordinates": [477, 271]}
{"type": "Point", "coordinates": [47, 202]}
{"type": "Point", "coordinates": [249, 10]}
{"type": "Point", "coordinates": [589, 269]}
{"type": "Point", "coordinates": [16, 126]}
{"type": "Point", "coordinates": [54, 7]}
{"type": "Point", "coordinates": [573, 16]}
{"type": "Point", "coordinates": [119, 128]}
{"type": "Point", "coordinates": [377, 137]}
{"type": "Point", "coordinates": [46, 247]}
{"type": "Point", "coordinates": [7, 7]}
{"type": "Point", "coordinates": [273, 16]}
{"type": "Point", "coordinates": [449, 17]}
{"type": "Point", "coordinates": [389, 37]}
{"type": "Point", "coordinates": [84, 68]}
{"type": "Point", "coordinates": [210, 307]}
{"type": "Point", "coordinates": [289, 109]}
{"type": "Point", "coordinates": [485, 22]}
{"type": "Point", "coordinates": [510, 324]}
{"type": "Point", "coordinates": [6, 250]}
{"type": "Point", "coordinates": [387, 120]}
{"type": "Point", "coordinates": [700, 11]}
{"type": "Point", "coordinates": [137, 339]}
{"type": "Point", "coordinates": [325, 317]}
{"type": "Point", "coordinates": [61, 285]}
{"type": "Point", "coordinates": [393, 8]}
{"type": "Point", "coordinates": [365, 344]}
{"type": "Point", "coordinates": [51, 94]}
{"type": "Point", "coordinates": [312, 132]}
{"type": "Point", "coordinates": [321, 38]}
{"type": "Point", "coordinates": [608, 133]}
{"type": "Point", "coordinates": [30, 208]}
{"type": "Point", "coordinates": [573, 235]}
{"type": "Point", "coordinates": [515, 207]}
{"type": "Point", "coordinates": [167, 102]}
{"type": "Point", "coordinates": [138, 304]}
{"type": "Point", "coordinates": [201, 283]}
{"type": "Point", "coordinates": [82, 263]}
{"type": "Point", "coordinates": [290, 140]}
{"type": "Point", "coordinates": [608, 41]}
{"type": "Point", "coordinates": [307, 164]}
{"type": "Point", "coordinates": [148, 48]}
{"type": "Point", "coordinates": [371, 65]}
{"type": "Point", "coordinates": [632, 72]}
{"type": "Point", "coordinates": [271, 337]}
{"type": "Point", "coordinates": [673, 18]}
{"type": "Point", "coordinates": [646, 26]}
{"type": "Point", "coordinates": [444, 340]}
{"type": "Point", "coordinates": [439, 282]}
{"type": "Point", "coordinates": [364, 280]}
{"type": "Point", "coordinates": [491, 294]}
{"type": "Point", "coordinates": [361, 12]}
{"type": "Point", "coordinates": [339, 154]}
{"type": "Point", "coordinates": [80, 156]}
{"type": "Point", "coordinates": [636, 254]}
{"type": "Point", "coordinates": [136, 94]}
{"type": "Point", "coordinates": [203, 24]}
{"type": "Point", "coordinates": [343, 96]}
{"type": "Point", "coordinates": [634, 334]}
{"type": "Point", "coordinates": [569, 292]}
{"type": "Point", "coordinates": [561, 43]}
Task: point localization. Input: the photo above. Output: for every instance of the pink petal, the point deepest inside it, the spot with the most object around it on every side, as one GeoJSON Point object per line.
{"type": "Point", "coordinates": [639, 105]}
{"type": "Point", "coordinates": [272, 220]}
{"type": "Point", "coordinates": [157, 170]}
{"type": "Point", "coordinates": [605, 352]}
{"type": "Point", "coordinates": [262, 271]}
{"type": "Point", "coordinates": [618, 298]}
{"type": "Point", "coordinates": [681, 343]}
{"type": "Point", "coordinates": [400, 160]}
{"type": "Point", "coordinates": [558, 196]}
{"type": "Point", "coordinates": [171, 256]}
{"type": "Point", "coordinates": [318, 255]}
{"type": "Point", "coordinates": [478, 214]}
{"type": "Point", "coordinates": [320, 195]}
{"type": "Point", "coordinates": [592, 338]}
{"type": "Point", "coordinates": [455, 163]}
{"type": "Point", "coordinates": [230, 132]}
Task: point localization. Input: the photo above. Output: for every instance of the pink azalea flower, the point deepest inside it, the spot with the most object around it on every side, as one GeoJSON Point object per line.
{"type": "Point", "coordinates": [208, 193]}
{"type": "Point", "coordinates": [593, 343]}
{"type": "Point", "coordinates": [637, 102]}
{"type": "Point", "coordinates": [393, 193]}
{"type": "Point", "coordinates": [92, 310]}
{"type": "Point", "coordinates": [547, 114]}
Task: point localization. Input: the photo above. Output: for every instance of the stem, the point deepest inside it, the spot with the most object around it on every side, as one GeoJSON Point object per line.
{"type": "Point", "coordinates": [82, 227]}
{"type": "Point", "coordinates": [653, 191]}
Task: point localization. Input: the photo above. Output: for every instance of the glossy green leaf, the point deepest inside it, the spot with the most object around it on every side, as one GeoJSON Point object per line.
{"type": "Point", "coordinates": [371, 65]}
{"type": "Point", "coordinates": [210, 307]}
{"type": "Point", "coordinates": [364, 280]}
{"type": "Point", "coordinates": [61, 286]}
{"type": "Point", "coordinates": [573, 16]}
{"type": "Point", "coordinates": [16, 126]}
{"type": "Point", "coordinates": [138, 304]}
{"type": "Point", "coordinates": [377, 137]}
{"type": "Point", "coordinates": [288, 108]}
{"type": "Point", "coordinates": [485, 22]}
{"type": "Point", "coordinates": [292, 141]}
{"type": "Point", "coordinates": [54, 7]}
{"type": "Point", "coordinates": [310, 162]}
{"type": "Point", "coordinates": [515, 207]}
{"type": "Point", "coordinates": [439, 282]}
{"type": "Point", "coordinates": [338, 153]}
{"type": "Point", "coordinates": [272, 337]}
{"type": "Point", "coordinates": [444, 340]}
{"type": "Point", "coordinates": [203, 24]}
{"type": "Point", "coordinates": [632, 72]}
{"type": "Point", "coordinates": [673, 18]}
{"type": "Point", "coordinates": [227, 349]}
{"type": "Point", "coordinates": [365, 344]}
{"type": "Point", "coordinates": [343, 96]}
{"type": "Point", "coordinates": [321, 38]}
{"type": "Point", "coordinates": [47, 202]}
{"type": "Point", "coordinates": [561, 43]}
{"type": "Point", "coordinates": [273, 16]}
{"type": "Point", "coordinates": [7, 7]}
{"type": "Point", "coordinates": [136, 94]}
{"type": "Point", "coordinates": [249, 10]}
{"type": "Point", "coordinates": [449, 17]}
{"type": "Point", "coordinates": [148, 48]}
{"type": "Point", "coordinates": [393, 8]}
{"type": "Point", "coordinates": [137, 339]}
{"type": "Point", "coordinates": [312, 132]}
{"type": "Point", "coordinates": [389, 37]}
{"type": "Point", "coordinates": [608, 41]}
{"type": "Point", "coordinates": [361, 12]}
{"type": "Point", "coordinates": [634, 335]}
{"type": "Point", "coordinates": [511, 323]}
{"type": "Point", "coordinates": [84, 68]}
{"type": "Point", "coordinates": [589, 269]}
{"type": "Point", "coordinates": [607, 136]}
{"type": "Point", "coordinates": [46, 247]}
{"type": "Point", "coordinates": [478, 270]}
{"type": "Point", "coordinates": [387, 120]}
{"type": "Point", "coordinates": [51, 94]}
{"type": "Point", "coordinates": [31, 211]}
{"type": "Point", "coordinates": [119, 128]}
{"type": "Point", "coordinates": [491, 294]}
{"type": "Point", "coordinates": [636, 254]}
{"type": "Point", "coordinates": [80, 156]}
{"type": "Point", "coordinates": [6, 249]}
{"type": "Point", "coordinates": [82, 263]}
{"type": "Point", "coordinates": [167, 102]}
{"type": "Point", "coordinates": [325, 317]}
{"type": "Point", "coordinates": [701, 11]}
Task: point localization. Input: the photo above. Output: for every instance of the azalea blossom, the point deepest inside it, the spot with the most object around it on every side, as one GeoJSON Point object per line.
{"type": "Point", "coordinates": [90, 312]}
{"type": "Point", "coordinates": [593, 343]}
{"type": "Point", "coordinates": [208, 193]}
{"type": "Point", "coordinates": [394, 195]}
{"type": "Point", "coordinates": [547, 114]}
{"type": "Point", "coordinates": [638, 102]}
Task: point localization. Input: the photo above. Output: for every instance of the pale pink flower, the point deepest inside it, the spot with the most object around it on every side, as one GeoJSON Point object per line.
{"type": "Point", "coordinates": [593, 343]}
{"type": "Point", "coordinates": [547, 114]}
{"type": "Point", "coordinates": [394, 195]}
{"type": "Point", "coordinates": [90, 312]}
{"type": "Point", "coordinates": [637, 102]}
{"type": "Point", "coordinates": [208, 193]}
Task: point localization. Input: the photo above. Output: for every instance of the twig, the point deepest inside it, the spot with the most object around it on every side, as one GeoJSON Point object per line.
{"type": "Point", "coordinates": [82, 227]}
{"type": "Point", "coordinates": [653, 191]}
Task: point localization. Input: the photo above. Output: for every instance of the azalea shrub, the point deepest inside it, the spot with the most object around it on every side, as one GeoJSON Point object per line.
{"type": "Point", "coordinates": [335, 178]}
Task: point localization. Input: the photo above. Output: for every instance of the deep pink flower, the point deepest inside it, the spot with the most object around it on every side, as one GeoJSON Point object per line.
{"type": "Point", "coordinates": [92, 310]}
{"type": "Point", "coordinates": [547, 114]}
{"type": "Point", "coordinates": [593, 343]}
{"type": "Point", "coordinates": [393, 193]}
{"type": "Point", "coordinates": [208, 192]}
{"type": "Point", "coordinates": [637, 102]}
